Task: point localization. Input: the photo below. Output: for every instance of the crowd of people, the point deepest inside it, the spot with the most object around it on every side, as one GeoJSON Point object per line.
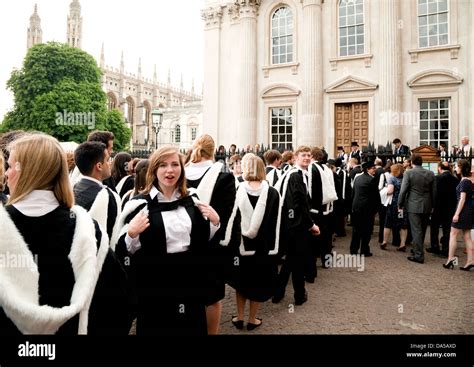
{"type": "Point", "coordinates": [107, 241]}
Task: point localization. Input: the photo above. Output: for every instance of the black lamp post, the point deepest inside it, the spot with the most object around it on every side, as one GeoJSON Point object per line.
{"type": "Point", "coordinates": [157, 122]}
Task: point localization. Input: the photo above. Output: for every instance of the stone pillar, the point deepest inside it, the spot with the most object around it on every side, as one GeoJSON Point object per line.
{"type": "Point", "coordinates": [390, 80]}
{"type": "Point", "coordinates": [310, 128]}
{"type": "Point", "coordinates": [212, 18]}
{"type": "Point", "coordinates": [247, 118]}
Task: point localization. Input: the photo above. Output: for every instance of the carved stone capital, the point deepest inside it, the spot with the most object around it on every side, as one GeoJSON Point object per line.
{"type": "Point", "coordinates": [248, 8]}
{"type": "Point", "coordinates": [212, 17]}
{"type": "Point", "coordinates": [234, 12]}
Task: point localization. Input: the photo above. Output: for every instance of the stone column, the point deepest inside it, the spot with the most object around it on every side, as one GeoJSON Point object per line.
{"type": "Point", "coordinates": [310, 128]}
{"type": "Point", "coordinates": [212, 18]}
{"type": "Point", "coordinates": [247, 119]}
{"type": "Point", "coordinates": [390, 72]}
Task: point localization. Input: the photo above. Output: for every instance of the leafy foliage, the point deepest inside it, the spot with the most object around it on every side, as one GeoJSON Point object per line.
{"type": "Point", "coordinates": [58, 91]}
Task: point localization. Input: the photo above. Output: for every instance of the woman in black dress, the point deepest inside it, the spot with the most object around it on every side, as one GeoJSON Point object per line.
{"type": "Point", "coordinates": [257, 212]}
{"type": "Point", "coordinates": [166, 237]}
{"type": "Point", "coordinates": [462, 219]}
{"type": "Point", "coordinates": [59, 251]}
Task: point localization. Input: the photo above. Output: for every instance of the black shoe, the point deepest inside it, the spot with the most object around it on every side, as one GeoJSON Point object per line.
{"type": "Point", "coordinates": [239, 324]}
{"type": "Point", "coordinates": [309, 280]}
{"type": "Point", "coordinates": [414, 259]}
{"type": "Point", "coordinates": [412, 252]}
{"type": "Point", "coordinates": [467, 267]}
{"type": "Point", "coordinates": [300, 301]}
{"type": "Point", "coordinates": [450, 264]}
{"type": "Point", "coordinates": [251, 326]}
{"type": "Point", "coordinates": [433, 250]}
{"type": "Point", "coordinates": [368, 254]}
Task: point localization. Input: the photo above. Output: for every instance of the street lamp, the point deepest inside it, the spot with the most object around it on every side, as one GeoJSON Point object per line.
{"type": "Point", "coordinates": [157, 122]}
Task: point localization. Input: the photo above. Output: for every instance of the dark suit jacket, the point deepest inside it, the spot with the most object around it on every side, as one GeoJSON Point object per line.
{"type": "Point", "coordinates": [445, 200]}
{"type": "Point", "coordinates": [418, 191]}
{"type": "Point", "coordinates": [403, 150]}
{"type": "Point", "coordinates": [366, 195]}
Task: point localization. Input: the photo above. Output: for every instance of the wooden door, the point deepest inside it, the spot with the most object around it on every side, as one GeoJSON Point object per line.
{"type": "Point", "coordinates": [352, 121]}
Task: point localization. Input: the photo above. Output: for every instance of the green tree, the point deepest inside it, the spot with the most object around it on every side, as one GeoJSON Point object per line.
{"type": "Point", "coordinates": [58, 91]}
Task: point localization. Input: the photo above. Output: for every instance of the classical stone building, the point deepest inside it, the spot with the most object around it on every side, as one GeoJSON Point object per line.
{"type": "Point", "coordinates": [328, 72]}
{"type": "Point", "coordinates": [135, 95]}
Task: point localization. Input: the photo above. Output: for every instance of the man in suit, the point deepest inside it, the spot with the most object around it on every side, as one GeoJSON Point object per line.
{"type": "Point", "coordinates": [364, 207]}
{"type": "Point", "coordinates": [355, 152]}
{"type": "Point", "coordinates": [417, 196]}
{"type": "Point", "coordinates": [443, 209]}
{"type": "Point", "coordinates": [400, 149]}
{"type": "Point", "coordinates": [92, 160]}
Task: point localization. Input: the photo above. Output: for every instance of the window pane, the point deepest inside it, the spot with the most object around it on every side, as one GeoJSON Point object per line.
{"type": "Point", "coordinates": [343, 51]}
{"type": "Point", "coordinates": [443, 39]}
{"type": "Point", "coordinates": [351, 50]}
{"type": "Point", "coordinates": [442, 5]}
{"type": "Point", "coordinates": [423, 41]}
{"type": "Point", "coordinates": [343, 32]}
{"type": "Point", "coordinates": [360, 29]}
{"type": "Point", "coordinates": [432, 7]}
{"type": "Point", "coordinates": [351, 41]}
{"type": "Point", "coordinates": [351, 31]}
{"type": "Point", "coordinates": [433, 41]}
{"type": "Point", "coordinates": [433, 115]}
{"type": "Point", "coordinates": [444, 134]}
{"type": "Point", "coordinates": [423, 105]}
{"type": "Point", "coordinates": [359, 18]}
{"type": "Point", "coordinates": [350, 10]}
{"type": "Point", "coordinates": [443, 18]}
{"type": "Point", "coordinates": [432, 19]}
{"type": "Point", "coordinates": [360, 40]}
{"type": "Point", "coordinates": [443, 114]}
{"type": "Point", "coordinates": [443, 103]}
{"type": "Point", "coordinates": [434, 135]}
{"type": "Point", "coordinates": [422, 8]}
{"type": "Point", "coordinates": [423, 142]}
{"type": "Point", "coordinates": [423, 134]}
{"type": "Point", "coordinates": [444, 125]}
{"type": "Point", "coordinates": [433, 125]}
{"type": "Point", "coordinates": [423, 125]}
{"type": "Point", "coordinates": [423, 20]}
{"type": "Point", "coordinates": [360, 49]}
{"type": "Point", "coordinates": [443, 28]}
{"type": "Point", "coordinates": [423, 115]}
{"type": "Point", "coordinates": [433, 30]}
{"type": "Point", "coordinates": [423, 31]}
{"type": "Point", "coordinates": [434, 105]}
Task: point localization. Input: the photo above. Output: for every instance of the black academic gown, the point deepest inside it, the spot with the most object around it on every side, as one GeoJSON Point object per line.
{"type": "Point", "coordinates": [49, 238]}
{"type": "Point", "coordinates": [255, 276]}
{"type": "Point", "coordinates": [220, 259]}
{"type": "Point", "coordinates": [170, 288]}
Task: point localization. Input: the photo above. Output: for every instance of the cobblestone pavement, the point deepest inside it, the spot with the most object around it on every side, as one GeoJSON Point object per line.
{"type": "Point", "coordinates": [391, 296]}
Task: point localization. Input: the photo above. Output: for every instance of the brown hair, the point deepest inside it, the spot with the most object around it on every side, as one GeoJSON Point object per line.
{"type": "Point", "coordinates": [233, 160]}
{"type": "Point", "coordinates": [2, 172]}
{"type": "Point", "coordinates": [271, 156]}
{"type": "Point", "coordinates": [302, 148]}
{"type": "Point", "coordinates": [43, 166]}
{"type": "Point", "coordinates": [397, 170]}
{"type": "Point", "coordinates": [286, 156]}
{"type": "Point", "coordinates": [465, 167]}
{"type": "Point", "coordinates": [253, 168]}
{"type": "Point", "coordinates": [204, 147]}
{"type": "Point", "coordinates": [141, 170]}
{"type": "Point", "coordinates": [158, 157]}
{"type": "Point", "coordinates": [317, 154]}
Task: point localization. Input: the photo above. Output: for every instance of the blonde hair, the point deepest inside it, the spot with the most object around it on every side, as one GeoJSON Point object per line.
{"type": "Point", "coordinates": [253, 168]}
{"type": "Point", "coordinates": [397, 170]}
{"type": "Point", "coordinates": [204, 147]}
{"type": "Point", "coordinates": [158, 157]}
{"type": "Point", "coordinates": [43, 166]}
{"type": "Point", "coordinates": [2, 172]}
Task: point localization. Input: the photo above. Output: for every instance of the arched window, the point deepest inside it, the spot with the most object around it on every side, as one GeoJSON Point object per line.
{"type": "Point", "coordinates": [177, 134]}
{"type": "Point", "coordinates": [351, 27]}
{"type": "Point", "coordinates": [130, 110]}
{"type": "Point", "coordinates": [282, 36]}
{"type": "Point", "coordinates": [111, 101]}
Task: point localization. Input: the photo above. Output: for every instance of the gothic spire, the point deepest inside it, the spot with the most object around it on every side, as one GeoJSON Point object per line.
{"type": "Point", "coordinates": [35, 34]}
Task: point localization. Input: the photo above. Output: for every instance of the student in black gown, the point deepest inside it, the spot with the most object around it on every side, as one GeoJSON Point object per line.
{"type": "Point", "coordinates": [255, 274]}
{"type": "Point", "coordinates": [59, 251]}
{"type": "Point", "coordinates": [121, 173]}
{"type": "Point", "coordinates": [166, 237]}
{"type": "Point", "coordinates": [217, 189]}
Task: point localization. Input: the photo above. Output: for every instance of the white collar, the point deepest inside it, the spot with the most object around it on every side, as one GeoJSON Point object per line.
{"type": "Point", "coordinates": [195, 171]}
{"type": "Point", "coordinates": [305, 171]}
{"type": "Point", "coordinates": [254, 192]}
{"type": "Point", "coordinates": [37, 203]}
{"type": "Point", "coordinates": [154, 192]}
{"type": "Point", "coordinates": [93, 180]}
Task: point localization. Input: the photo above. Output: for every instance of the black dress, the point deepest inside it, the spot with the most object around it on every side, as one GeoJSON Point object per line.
{"type": "Point", "coordinates": [465, 217]}
{"type": "Point", "coordinates": [256, 276]}
{"type": "Point", "coordinates": [169, 287]}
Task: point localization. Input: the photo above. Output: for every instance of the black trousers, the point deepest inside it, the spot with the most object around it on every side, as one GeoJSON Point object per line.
{"type": "Point", "coordinates": [436, 222]}
{"type": "Point", "coordinates": [362, 228]}
{"type": "Point", "coordinates": [295, 263]}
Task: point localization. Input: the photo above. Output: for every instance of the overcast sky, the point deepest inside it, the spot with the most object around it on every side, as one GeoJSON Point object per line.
{"type": "Point", "coordinates": [168, 33]}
